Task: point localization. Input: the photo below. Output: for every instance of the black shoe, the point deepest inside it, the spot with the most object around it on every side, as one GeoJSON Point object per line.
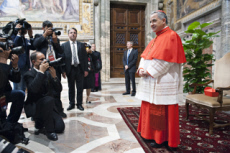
{"type": "Point", "coordinates": [126, 93]}
{"type": "Point", "coordinates": [71, 106]}
{"type": "Point", "coordinates": [63, 115]}
{"type": "Point", "coordinates": [156, 145]}
{"type": "Point", "coordinates": [52, 136]}
{"type": "Point", "coordinates": [80, 107]}
{"type": "Point", "coordinates": [88, 102]}
{"type": "Point", "coordinates": [92, 90]}
{"type": "Point", "coordinates": [133, 94]}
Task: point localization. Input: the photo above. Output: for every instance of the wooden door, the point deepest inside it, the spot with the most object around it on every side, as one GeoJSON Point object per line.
{"type": "Point", "coordinates": [127, 24]}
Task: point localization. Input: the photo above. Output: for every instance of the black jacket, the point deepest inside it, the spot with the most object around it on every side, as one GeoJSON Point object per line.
{"type": "Point", "coordinates": [132, 60]}
{"type": "Point", "coordinates": [24, 61]}
{"type": "Point", "coordinates": [7, 73]}
{"type": "Point", "coordinates": [82, 56]}
{"type": "Point", "coordinates": [40, 85]}
{"type": "Point", "coordinates": [97, 56]}
{"type": "Point", "coordinates": [41, 45]}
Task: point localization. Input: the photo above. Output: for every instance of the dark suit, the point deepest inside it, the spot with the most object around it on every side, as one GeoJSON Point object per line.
{"type": "Point", "coordinates": [15, 96]}
{"type": "Point", "coordinates": [24, 61]}
{"type": "Point", "coordinates": [40, 91]}
{"type": "Point", "coordinates": [98, 57]}
{"type": "Point", "coordinates": [41, 45]}
{"type": "Point", "coordinates": [130, 72]}
{"type": "Point", "coordinates": [75, 73]}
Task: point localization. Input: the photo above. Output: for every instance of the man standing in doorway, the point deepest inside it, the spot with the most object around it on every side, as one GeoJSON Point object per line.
{"type": "Point", "coordinates": [76, 67]}
{"type": "Point", "coordinates": [129, 62]}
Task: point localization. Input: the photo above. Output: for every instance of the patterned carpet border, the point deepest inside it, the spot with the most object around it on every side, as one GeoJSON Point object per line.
{"type": "Point", "coordinates": [132, 128]}
{"type": "Point", "coordinates": [193, 133]}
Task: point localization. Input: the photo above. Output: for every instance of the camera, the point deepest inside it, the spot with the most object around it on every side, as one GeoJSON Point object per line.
{"type": "Point", "coordinates": [58, 33]}
{"type": "Point", "coordinates": [25, 25]}
{"type": "Point", "coordinates": [56, 62]}
{"type": "Point", "coordinates": [17, 50]}
{"type": "Point", "coordinates": [87, 46]}
{"type": "Point", "coordinates": [6, 43]}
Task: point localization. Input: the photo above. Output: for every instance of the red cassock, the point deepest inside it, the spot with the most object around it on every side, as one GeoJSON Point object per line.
{"type": "Point", "coordinates": [160, 132]}
{"type": "Point", "coordinates": [161, 122]}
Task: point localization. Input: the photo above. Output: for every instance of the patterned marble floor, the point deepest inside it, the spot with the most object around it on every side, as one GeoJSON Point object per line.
{"type": "Point", "coordinates": [99, 128]}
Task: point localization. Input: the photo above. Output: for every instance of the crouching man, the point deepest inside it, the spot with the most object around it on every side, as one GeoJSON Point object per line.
{"type": "Point", "coordinates": [42, 82]}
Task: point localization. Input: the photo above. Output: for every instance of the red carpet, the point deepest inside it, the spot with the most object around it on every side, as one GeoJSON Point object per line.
{"type": "Point", "coordinates": [193, 134]}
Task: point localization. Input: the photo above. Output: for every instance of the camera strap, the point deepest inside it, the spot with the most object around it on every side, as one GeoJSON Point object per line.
{"type": "Point", "coordinates": [3, 104]}
{"type": "Point", "coordinates": [50, 51]}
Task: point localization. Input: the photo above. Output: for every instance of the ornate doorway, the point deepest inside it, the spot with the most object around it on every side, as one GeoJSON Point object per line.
{"type": "Point", "coordinates": [127, 22]}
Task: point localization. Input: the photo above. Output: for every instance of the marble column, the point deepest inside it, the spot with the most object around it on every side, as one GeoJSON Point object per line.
{"type": "Point", "coordinates": [225, 27]}
{"type": "Point", "coordinates": [97, 21]}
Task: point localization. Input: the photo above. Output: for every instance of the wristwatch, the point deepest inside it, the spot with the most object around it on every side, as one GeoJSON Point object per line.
{"type": "Point", "coordinates": [55, 79]}
{"type": "Point", "coordinates": [15, 68]}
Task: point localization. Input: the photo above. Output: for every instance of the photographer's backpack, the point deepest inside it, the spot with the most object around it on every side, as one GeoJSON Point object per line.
{"type": "Point", "coordinates": [13, 132]}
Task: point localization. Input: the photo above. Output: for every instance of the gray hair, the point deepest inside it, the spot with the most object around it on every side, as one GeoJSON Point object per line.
{"type": "Point", "coordinates": [131, 42]}
{"type": "Point", "coordinates": [33, 56]}
{"type": "Point", "coordinates": [161, 15]}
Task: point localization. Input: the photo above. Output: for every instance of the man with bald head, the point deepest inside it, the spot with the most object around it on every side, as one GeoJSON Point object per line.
{"type": "Point", "coordinates": [160, 86]}
{"type": "Point", "coordinates": [42, 82]}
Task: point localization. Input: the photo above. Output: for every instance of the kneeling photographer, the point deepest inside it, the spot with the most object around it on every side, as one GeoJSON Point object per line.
{"type": "Point", "coordinates": [42, 82]}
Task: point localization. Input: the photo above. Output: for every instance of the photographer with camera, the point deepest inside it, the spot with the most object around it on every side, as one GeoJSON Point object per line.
{"type": "Point", "coordinates": [9, 126]}
{"type": "Point", "coordinates": [41, 81]}
{"type": "Point", "coordinates": [22, 27]}
{"type": "Point", "coordinates": [10, 73]}
{"type": "Point", "coordinates": [48, 43]}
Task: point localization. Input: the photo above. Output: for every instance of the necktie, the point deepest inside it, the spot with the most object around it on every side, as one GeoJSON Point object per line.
{"type": "Point", "coordinates": [128, 57]}
{"type": "Point", "coordinates": [75, 63]}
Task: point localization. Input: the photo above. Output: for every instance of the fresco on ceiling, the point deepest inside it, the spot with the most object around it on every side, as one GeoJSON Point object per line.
{"type": "Point", "coordinates": [40, 10]}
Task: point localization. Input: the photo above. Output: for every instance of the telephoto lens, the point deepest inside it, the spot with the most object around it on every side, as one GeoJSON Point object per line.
{"type": "Point", "coordinates": [58, 33]}
{"type": "Point", "coordinates": [17, 50]}
{"type": "Point", "coordinates": [56, 62]}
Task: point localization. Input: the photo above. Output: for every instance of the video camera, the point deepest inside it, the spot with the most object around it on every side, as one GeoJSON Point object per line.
{"type": "Point", "coordinates": [25, 25]}
{"type": "Point", "coordinates": [6, 43]}
{"type": "Point", "coordinates": [56, 62]}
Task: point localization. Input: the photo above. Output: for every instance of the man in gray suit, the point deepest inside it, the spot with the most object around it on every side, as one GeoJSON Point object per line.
{"type": "Point", "coordinates": [75, 67]}
{"type": "Point", "coordinates": [129, 62]}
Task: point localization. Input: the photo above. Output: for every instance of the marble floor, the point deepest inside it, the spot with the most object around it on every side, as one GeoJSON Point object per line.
{"type": "Point", "coordinates": [99, 128]}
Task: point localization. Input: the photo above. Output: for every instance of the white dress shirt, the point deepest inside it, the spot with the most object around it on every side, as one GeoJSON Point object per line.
{"type": "Point", "coordinates": [71, 46]}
